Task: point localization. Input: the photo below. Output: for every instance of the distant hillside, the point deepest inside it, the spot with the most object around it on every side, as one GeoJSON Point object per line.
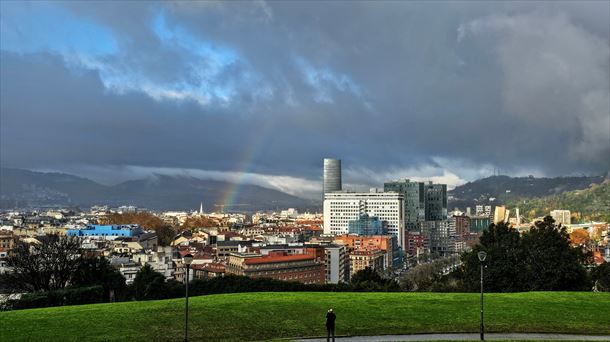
{"type": "Point", "coordinates": [22, 188]}
{"type": "Point", "coordinates": [586, 205]}
{"type": "Point", "coordinates": [502, 189]}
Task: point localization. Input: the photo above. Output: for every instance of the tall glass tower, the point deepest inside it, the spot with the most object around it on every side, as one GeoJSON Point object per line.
{"type": "Point", "coordinates": [332, 175]}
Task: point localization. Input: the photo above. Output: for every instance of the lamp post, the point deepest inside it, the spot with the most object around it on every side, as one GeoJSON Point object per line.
{"type": "Point", "coordinates": [482, 255]}
{"type": "Point", "coordinates": [187, 260]}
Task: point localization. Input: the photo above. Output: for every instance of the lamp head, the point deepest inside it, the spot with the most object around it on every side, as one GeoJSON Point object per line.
{"type": "Point", "coordinates": [482, 255]}
{"type": "Point", "coordinates": [187, 259]}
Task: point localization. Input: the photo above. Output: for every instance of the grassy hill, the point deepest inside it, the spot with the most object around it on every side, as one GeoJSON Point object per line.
{"type": "Point", "coordinates": [588, 204]}
{"type": "Point", "coordinates": [264, 316]}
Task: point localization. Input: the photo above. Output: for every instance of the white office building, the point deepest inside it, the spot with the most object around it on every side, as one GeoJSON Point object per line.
{"type": "Point", "coordinates": [342, 207]}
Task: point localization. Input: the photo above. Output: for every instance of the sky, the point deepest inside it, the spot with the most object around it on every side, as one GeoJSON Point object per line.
{"type": "Point", "coordinates": [261, 91]}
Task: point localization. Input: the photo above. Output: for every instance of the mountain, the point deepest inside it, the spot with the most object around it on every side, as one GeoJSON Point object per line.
{"type": "Point", "coordinates": [23, 188]}
{"type": "Point", "coordinates": [502, 189]}
{"type": "Point", "coordinates": [585, 205]}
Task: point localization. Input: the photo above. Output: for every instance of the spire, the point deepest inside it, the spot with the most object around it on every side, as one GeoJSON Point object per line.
{"type": "Point", "coordinates": [201, 209]}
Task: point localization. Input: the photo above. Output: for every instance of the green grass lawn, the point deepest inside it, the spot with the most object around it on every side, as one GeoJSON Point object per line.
{"type": "Point", "coordinates": [264, 316]}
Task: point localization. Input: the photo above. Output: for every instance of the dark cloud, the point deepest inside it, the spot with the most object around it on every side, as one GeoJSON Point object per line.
{"type": "Point", "coordinates": [399, 89]}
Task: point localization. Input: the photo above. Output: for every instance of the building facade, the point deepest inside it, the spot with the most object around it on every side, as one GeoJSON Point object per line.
{"type": "Point", "coordinates": [336, 264]}
{"type": "Point", "coordinates": [562, 217]}
{"type": "Point", "coordinates": [303, 268]}
{"type": "Point", "coordinates": [414, 206]}
{"type": "Point", "coordinates": [359, 260]}
{"type": "Point", "coordinates": [435, 198]}
{"type": "Point", "coordinates": [368, 225]}
{"type": "Point", "coordinates": [386, 243]}
{"type": "Point", "coordinates": [441, 237]}
{"type": "Point", "coordinates": [332, 175]}
{"type": "Point", "coordinates": [342, 207]}
{"type": "Point", "coordinates": [107, 232]}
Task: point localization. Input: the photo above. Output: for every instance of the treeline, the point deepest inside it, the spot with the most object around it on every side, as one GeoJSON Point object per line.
{"type": "Point", "coordinates": [165, 232]}
{"type": "Point", "coordinates": [151, 285]}
{"type": "Point", "coordinates": [539, 260]}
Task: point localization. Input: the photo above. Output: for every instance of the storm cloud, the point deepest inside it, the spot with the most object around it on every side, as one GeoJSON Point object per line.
{"type": "Point", "coordinates": [447, 91]}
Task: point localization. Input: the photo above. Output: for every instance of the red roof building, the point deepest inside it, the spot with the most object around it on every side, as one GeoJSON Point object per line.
{"type": "Point", "coordinates": [303, 268]}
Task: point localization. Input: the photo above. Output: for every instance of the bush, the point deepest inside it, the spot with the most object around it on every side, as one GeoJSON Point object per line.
{"type": "Point", "coordinates": [67, 296]}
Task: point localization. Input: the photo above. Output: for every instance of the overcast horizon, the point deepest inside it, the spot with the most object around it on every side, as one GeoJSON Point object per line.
{"type": "Point", "coordinates": [260, 92]}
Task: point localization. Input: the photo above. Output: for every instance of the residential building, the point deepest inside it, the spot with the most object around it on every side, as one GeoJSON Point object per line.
{"type": "Point", "coordinates": [416, 244]}
{"type": "Point", "coordinates": [462, 225]}
{"type": "Point", "coordinates": [361, 259]}
{"type": "Point", "coordinates": [386, 243]}
{"type": "Point", "coordinates": [278, 265]}
{"type": "Point", "coordinates": [336, 264]}
{"type": "Point", "coordinates": [7, 241]}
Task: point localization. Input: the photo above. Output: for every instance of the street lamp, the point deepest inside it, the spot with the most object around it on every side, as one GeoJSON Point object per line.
{"type": "Point", "coordinates": [482, 255]}
{"type": "Point", "coordinates": [187, 260]}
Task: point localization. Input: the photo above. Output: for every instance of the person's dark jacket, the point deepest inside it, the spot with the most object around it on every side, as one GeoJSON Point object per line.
{"type": "Point", "coordinates": [330, 320]}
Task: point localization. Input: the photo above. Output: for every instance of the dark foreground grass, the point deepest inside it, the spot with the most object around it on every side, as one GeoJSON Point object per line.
{"type": "Point", "coordinates": [264, 316]}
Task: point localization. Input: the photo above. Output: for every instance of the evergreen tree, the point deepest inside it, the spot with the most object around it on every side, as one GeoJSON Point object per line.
{"type": "Point", "coordinates": [149, 284]}
{"type": "Point", "coordinates": [503, 266]}
{"type": "Point", "coordinates": [550, 262]}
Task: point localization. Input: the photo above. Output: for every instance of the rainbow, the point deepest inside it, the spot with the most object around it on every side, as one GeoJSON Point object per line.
{"type": "Point", "coordinates": [245, 167]}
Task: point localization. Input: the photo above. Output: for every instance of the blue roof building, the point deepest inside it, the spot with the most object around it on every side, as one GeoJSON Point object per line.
{"type": "Point", "coordinates": [108, 232]}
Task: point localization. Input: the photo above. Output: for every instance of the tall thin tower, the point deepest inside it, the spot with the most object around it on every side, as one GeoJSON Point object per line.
{"type": "Point", "coordinates": [332, 175]}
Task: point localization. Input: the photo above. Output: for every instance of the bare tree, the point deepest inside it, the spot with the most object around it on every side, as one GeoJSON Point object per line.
{"type": "Point", "coordinates": [44, 266]}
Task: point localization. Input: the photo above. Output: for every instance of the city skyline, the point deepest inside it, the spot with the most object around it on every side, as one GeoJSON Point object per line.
{"type": "Point", "coordinates": [261, 92]}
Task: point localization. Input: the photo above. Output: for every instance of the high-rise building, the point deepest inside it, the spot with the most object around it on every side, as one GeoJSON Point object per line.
{"type": "Point", "coordinates": [332, 175]}
{"type": "Point", "coordinates": [561, 216]}
{"type": "Point", "coordinates": [337, 264]}
{"type": "Point", "coordinates": [435, 198]}
{"type": "Point", "coordinates": [501, 214]}
{"type": "Point", "coordinates": [414, 206]}
{"type": "Point", "coordinates": [441, 236]}
{"type": "Point", "coordinates": [340, 208]}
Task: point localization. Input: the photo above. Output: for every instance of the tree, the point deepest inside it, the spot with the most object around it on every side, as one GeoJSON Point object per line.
{"type": "Point", "coordinates": [601, 277]}
{"type": "Point", "coordinates": [198, 222]}
{"type": "Point", "coordinates": [149, 284]}
{"type": "Point", "coordinates": [48, 265]}
{"type": "Point", "coordinates": [550, 262]}
{"type": "Point", "coordinates": [165, 232]}
{"type": "Point", "coordinates": [368, 280]}
{"type": "Point", "coordinates": [421, 277]}
{"type": "Point", "coordinates": [367, 274]}
{"type": "Point", "coordinates": [99, 271]}
{"type": "Point", "coordinates": [504, 263]}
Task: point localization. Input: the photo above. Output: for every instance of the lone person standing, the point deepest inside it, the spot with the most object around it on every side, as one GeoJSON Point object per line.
{"type": "Point", "coordinates": [330, 325]}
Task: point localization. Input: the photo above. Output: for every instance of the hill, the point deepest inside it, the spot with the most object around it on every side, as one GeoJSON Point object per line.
{"type": "Point", "coordinates": [23, 188]}
{"type": "Point", "coordinates": [264, 316]}
{"type": "Point", "coordinates": [586, 205]}
{"type": "Point", "coordinates": [503, 189]}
